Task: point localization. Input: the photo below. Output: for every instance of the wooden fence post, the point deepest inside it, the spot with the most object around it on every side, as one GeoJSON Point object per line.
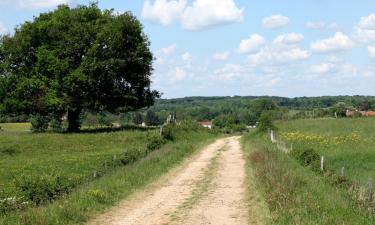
{"type": "Point", "coordinates": [322, 164]}
{"type": "Point", "coordinates": [95, 174]}
{"type": "Point", "coordinates": [369, 190]}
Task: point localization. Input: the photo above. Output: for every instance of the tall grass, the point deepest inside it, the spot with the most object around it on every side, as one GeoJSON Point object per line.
{"type": "Point", "coordinates": [344, 143]}
{"type": "Point", "coordinates": [295, 194]}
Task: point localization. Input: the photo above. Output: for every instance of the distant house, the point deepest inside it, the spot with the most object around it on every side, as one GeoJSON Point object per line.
{"type": "Point", "coordinates": [206, 124]}
{"type": "Point", "coordinates": [350, 113]}
{"type": "Point", "coordinates": [368, 113]}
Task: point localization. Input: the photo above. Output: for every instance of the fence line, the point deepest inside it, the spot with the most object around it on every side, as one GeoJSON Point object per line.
{"type": "Point", "coordinates": [365, 192]}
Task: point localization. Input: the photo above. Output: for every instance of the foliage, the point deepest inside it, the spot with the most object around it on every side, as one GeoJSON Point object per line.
{"type": "Point", "coordinates": [307, 157]}
{"type": "Point", "coordinates": [137, 118]}
{"type": "Point", "coordinates": [151, 119]}
{"type": "Point", "coordinates": [39, 123]}
{"type": "Point", "coordinates": [44, 188]}
{"type": "Point", "coordinates": [266, 123]}
{"type": "Point", "coordinates": [155, 142]}
{"type": "Point", "coordinates": [225, 121]}
{"type": "Point", "coordinates": [75, 59]}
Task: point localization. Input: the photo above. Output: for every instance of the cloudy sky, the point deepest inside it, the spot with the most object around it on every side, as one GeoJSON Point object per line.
{"type": "Point", "coordinates": [241, 47]}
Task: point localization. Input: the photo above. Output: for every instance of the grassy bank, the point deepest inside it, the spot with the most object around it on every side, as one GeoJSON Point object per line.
{"type": "Point", "coordinates": [94, 196]}
{"type": "Point", "coordinates": [295, 194]}
{"type": "Point", "coordinates": [344, 143]}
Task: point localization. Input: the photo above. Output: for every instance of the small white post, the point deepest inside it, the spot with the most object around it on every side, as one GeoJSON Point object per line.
{"type": "Point", "coordinates": [322, 164]}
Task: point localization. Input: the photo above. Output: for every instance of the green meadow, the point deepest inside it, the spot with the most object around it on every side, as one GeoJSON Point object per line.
{"type": "Point", "coordinates": [51, 178]}
{"type": "Point", "coordinates": [347, 142]}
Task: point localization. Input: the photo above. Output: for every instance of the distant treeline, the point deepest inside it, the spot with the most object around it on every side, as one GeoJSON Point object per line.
{"type": "Point", "coordinates": [237, 109]}
{"type": "Point", "coordinates": [250, 107]}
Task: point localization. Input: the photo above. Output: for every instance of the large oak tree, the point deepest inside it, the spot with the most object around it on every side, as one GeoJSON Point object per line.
{"type": "Point", "coordinates": [75, 59]}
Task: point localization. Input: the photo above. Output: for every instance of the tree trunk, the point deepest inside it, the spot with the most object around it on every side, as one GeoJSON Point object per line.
{"type": "Point", "coordinates": [73, 119]}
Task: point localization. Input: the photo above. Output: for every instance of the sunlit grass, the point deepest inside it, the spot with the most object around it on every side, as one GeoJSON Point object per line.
{"type": "Point", "coordinates": [345, 143]}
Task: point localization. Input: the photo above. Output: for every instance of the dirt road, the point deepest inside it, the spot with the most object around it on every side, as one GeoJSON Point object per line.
{"type": "Point", "coordinates": [207, 189]}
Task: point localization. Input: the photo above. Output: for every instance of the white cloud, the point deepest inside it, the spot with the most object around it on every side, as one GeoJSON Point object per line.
{"type": "Point", "coordinates": [252, 44]}
{"type": "Point", "coordinates": [163, 12]}
{"type": "Point", "coordinates": [371, 51]}
{"type": "Point", "coordinates": [290, 38]}
{"type": "Point", "coordinates": [271, 55]}
{"type": "Point", "coordinates": [38, 4]}
{"type": "Point", "coordinates": [338, 42]}
{"type": "Point", "coordinates": [322, 68]}
{"type": "Point", "coordinates": [186, 57]}
{"type": "Point", "coordinates": [367, 22]}
{"type": "Point", "coordinates": [315, 25]}
{"type": "Point", "coordinates": [168, 50]}
{"type": "Point", "coordinates": [272, 82]}
{"type": "Point", "coordinates": [178, 75]}
{"type": "Point", "coordinates": [201, 15]}
{"type": "Point", "coordinates": [275, 21]}
{"type": "Point", "coordinates": [220, 56]}
{"type": "Point", "coordinates": [322, 25]}
{"type": "Point", "coordinates": [205, 14]}
{"type": "Point", "coordinates": [163, 54]}
{"type": "Point", "coordinates": [365, 29]}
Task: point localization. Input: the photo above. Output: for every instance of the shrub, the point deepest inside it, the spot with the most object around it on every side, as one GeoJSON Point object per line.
{"type": "Point", "coordinates": [168, 132]}
{"type": "Point", "coordinates": [44, 188]}
{"type": "Point", "coordinates": [39, 123]}
{"type": "Point", "coordinates": [131, 155]}
{"type": "Point", "coordinates": [307, 157]}
{"type": "Point", "coordinates": [56, 125]}
{"type": "Point", "coordinates": [155, 142]}
{"type": "Point", "coordinates": [266, 123]}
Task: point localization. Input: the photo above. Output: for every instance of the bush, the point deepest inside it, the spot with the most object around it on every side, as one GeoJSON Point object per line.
{"type": "Point", "coordinates": [39, 123]}
{"type": "Point", "coordinates": [56, 125]}
{"type": "Point", "coordinates": [168, 132]}
{"type": "Point", "coordinates": [44, 188]}
{"type": "Point", "coordinates": [131, 155]}
{"type": "Point", "coordinates": [307, 157]}
{"type": "Point", "coordinates": [266, 123]}
{"type": "Point", "coordinates": [155, 142]}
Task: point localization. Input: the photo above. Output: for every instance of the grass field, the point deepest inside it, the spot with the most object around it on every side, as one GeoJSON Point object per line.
{"type": "Point", "coordinates": [345, 143]}
{"type": "Point", "coordinates": [77, 157]}
{"type": "Point", "coordinates": [296, 194]}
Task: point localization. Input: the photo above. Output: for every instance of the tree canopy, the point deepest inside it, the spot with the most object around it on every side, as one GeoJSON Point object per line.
{"type": "Point", "coordinates": [75, 59]}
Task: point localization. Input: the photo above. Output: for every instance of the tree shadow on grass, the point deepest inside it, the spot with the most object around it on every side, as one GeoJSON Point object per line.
{"type": "Point", "coordinates": [115, 129]}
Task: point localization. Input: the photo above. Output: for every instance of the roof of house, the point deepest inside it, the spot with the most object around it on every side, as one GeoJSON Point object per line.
{"type": "Point", "coordinates": [370, 113]}
{"type": "Point", "coordinates": [207, 123]}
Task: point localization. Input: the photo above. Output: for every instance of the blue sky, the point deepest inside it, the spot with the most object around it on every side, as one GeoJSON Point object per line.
{"type": "Point", "coordinates": [241, 47]}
